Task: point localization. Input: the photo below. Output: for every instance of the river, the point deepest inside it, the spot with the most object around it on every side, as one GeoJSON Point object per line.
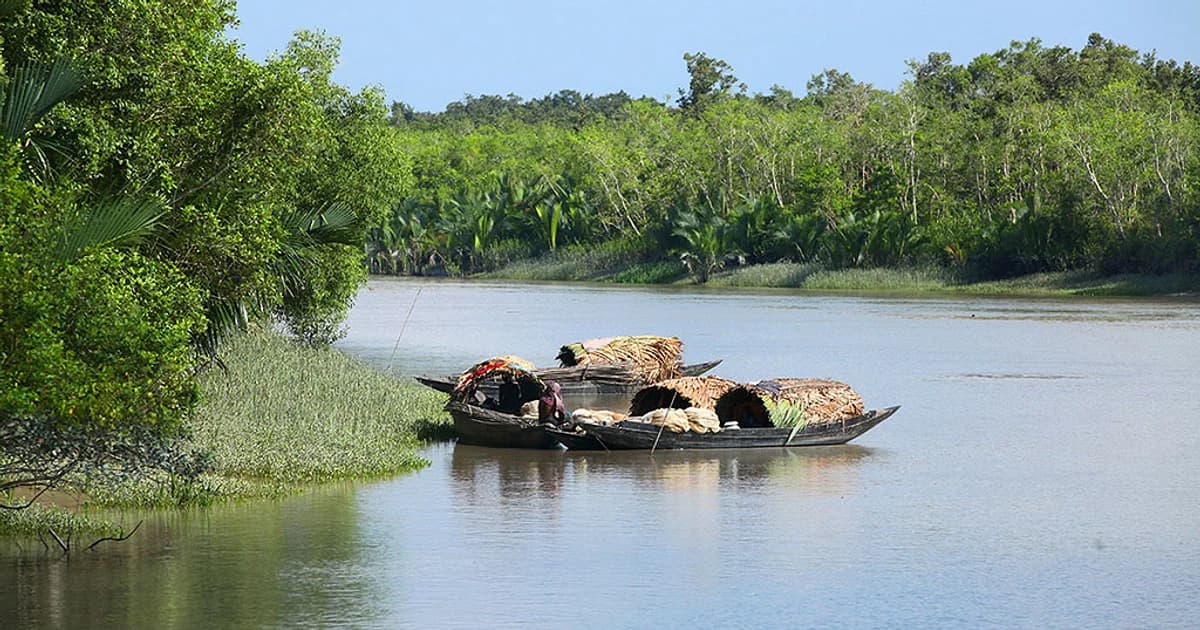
{"type": "Point", "coordinates": [1042, 472]}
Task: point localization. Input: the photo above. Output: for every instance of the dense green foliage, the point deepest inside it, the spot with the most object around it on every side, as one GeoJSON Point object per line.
{"type": "Point", "coordinates": [1024, 160]}
{"type": "Point", "coordinates": [159, 189]}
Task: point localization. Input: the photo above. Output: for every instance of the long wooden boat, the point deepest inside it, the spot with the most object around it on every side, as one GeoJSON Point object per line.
{"type": "Point", "coordinates": [643, 435]}
{"type": "Point", "coordinates": [487, 427]}
{"type": "Point", "coordinates": [576, 380]}
{"type": "Point", "coordinates": [575, 441]}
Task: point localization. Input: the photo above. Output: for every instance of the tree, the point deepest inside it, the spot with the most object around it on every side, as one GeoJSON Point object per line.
{"type": "Point", "coordinates": [190, 189]}
{"type": "Point", "coordinates": [710, 80]}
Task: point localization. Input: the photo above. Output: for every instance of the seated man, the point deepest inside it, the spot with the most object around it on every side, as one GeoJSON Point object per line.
{"type": "Point", "coordinates": [510, 396]}
{"type": "Point", "coordinates": [550, 406]}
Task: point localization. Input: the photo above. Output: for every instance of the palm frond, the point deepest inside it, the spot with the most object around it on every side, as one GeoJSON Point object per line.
{"type": "Point", "coordinates": [224, 317]}
{"type": "Point", "coordinates": [304, 229]}
{"type": "Point", "coordinates": [42, 169]}
{"type": "Point", "coordinates": [12, 7]}
{"type": "Point", "coordinates": [331, 223]}
{"type": "Point", "coordinates": [34, 89]}
{"type": "Point", "coordinates": [119, 222]}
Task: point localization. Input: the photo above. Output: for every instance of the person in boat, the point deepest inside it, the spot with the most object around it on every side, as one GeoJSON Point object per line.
{"type": "Point", "coordinates": [550, 406]}
{"type": "Point", "coordinates": [510, 396]}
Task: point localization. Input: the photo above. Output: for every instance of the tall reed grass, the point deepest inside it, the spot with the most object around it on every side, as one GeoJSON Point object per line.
{"type": "Point", "coordinates": [882, 279]}
{"type": "Point", "coordinates": [282, 416]}
{"type": "Point", "coordinates": [577, 263]}
{"type": "Point", "coordinates": [1091, 283]}
{"type": "Point", "coordinates": [779, 275]}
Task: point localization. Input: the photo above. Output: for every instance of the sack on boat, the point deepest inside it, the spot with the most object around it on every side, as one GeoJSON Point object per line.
{"type": "Point", "coordinates": [597, 416]}
{"type": "Point", "coordinates": [674, 420]}
{"type": "Point", "coordinates": [530, 409]}
{"type": "Point", "coordinates": [702, 420]}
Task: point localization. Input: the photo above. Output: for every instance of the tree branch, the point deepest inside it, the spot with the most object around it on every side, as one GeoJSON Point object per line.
{"type": "Point", "coordinates": [117, 538]}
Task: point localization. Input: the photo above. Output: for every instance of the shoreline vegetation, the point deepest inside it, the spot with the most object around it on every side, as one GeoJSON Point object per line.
{"type": "Point", "coordinates": [586, 266]}
{"type": "Point", "coordinates": [279, 419]}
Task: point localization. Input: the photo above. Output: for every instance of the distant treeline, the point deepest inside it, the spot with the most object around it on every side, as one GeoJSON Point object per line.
{"type": "Point", "coordinates": [1027, 159]}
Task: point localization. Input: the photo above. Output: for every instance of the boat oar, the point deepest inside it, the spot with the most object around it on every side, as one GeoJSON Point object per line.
{"type": "Point", "coordinates": [670, 405]}
{"type": "Point", "coordinates": [660, 430]}
{"type": "Point", "coordinates": [402, 329]}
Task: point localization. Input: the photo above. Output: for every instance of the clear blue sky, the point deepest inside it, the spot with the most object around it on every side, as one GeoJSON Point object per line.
{"type": "Point", "coordinates": [429, 53]}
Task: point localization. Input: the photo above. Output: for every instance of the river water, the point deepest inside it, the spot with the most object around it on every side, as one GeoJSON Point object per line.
{"type": "Point", "coordinates": [1043, 472]}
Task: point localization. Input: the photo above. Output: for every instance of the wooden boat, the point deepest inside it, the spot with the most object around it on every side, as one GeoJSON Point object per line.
{"type": "Point", "coordinates": [487, 427]}
{"type": "Point", "coordinates": [642, 435]}
{"type": "Point", "coordinates": [575, 381]}
{"type": "Point", "coordinates": [575, 441]}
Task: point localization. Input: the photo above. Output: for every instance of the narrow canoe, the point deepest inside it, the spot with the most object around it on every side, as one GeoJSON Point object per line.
{"type": "Point", "coordinates": [486, 427]}
{"type": "Point", "coordinates": [573, 380]}
{"type": "Point", "coordinates": [642, 435]}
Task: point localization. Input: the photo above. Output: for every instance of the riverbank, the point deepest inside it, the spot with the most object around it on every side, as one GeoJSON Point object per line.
{"type": "Point", "coordinates": [279, 418]}
{"type": "Point", "coordinates": [608, 264]}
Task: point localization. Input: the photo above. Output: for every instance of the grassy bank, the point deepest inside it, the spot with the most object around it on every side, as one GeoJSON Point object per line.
{"type": "Point", "coordinates": [278, 419]}
{"type": "Point", "coordinates": [602, 262]}
{"type": "Point", "coordinates": [614, 264]}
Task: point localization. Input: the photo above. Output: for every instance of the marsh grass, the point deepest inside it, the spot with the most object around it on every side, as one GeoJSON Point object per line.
{"type": "Point", "coordinates": [882, 279]}
{"type": "Point", "coordinates": [623, 261]}
{"type": "Point", "coordinates": [288, 413]}
{"type": "Point", "coordinates": [598, 262]}
{"type": "Point", "coordinates": [777, 275]}
{"type": "Point", "coordinates": [1091, 283]}
{"type": "Point", "coordinates": [284, 416]}
{"type": "Point", "coordinates": [662, 272]}
{"type": "Point", "coordinates": [38, 518]}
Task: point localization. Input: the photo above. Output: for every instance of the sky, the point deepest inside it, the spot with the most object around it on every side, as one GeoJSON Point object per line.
{"type": "Point", "coordinates": [431, 53]}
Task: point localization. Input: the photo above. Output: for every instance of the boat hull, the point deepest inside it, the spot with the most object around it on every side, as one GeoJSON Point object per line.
{"type": "Point", "coordinates": [576, 441]}
{"type": "Point", "coordinates": [641, 435]}
{"type": "Point", "coordinates": [485, 427]}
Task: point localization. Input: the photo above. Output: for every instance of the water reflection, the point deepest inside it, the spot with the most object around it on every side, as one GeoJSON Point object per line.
{"type": "Point", "coordinates": [519, 475]}
{"type": "Point", "coordinates": [482, 474]}
{"type": "Point", "coordinates": [293, 562]}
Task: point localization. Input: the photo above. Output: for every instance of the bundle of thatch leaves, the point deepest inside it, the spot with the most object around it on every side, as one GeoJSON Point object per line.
{"type": "Point", "coordinates": [787, 402]}
{"type": "Point", "coordinates": [654, 358]}
{"type": "Point", "coordinates": [681, 393]}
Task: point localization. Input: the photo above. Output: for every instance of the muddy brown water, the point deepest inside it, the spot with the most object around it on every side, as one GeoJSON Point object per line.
{"type": "Point", "coordinates": [1043, 472]}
